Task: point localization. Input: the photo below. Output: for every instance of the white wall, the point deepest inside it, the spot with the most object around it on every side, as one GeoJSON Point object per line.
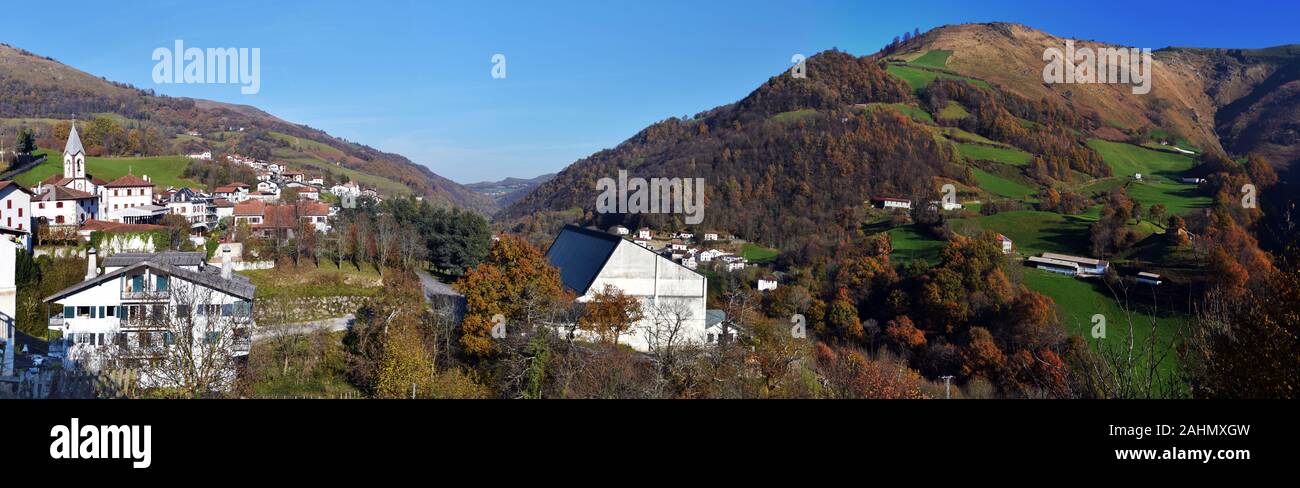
{"type": "Point", "coordinates": [657, 282]}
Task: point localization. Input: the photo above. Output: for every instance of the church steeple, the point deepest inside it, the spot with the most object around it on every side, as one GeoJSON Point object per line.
{"type": "Point", "coordinates": [74, 156]}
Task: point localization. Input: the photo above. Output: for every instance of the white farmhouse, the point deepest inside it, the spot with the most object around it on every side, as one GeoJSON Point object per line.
{"type": "Point", "coordinates": [1005, 244]}
{"type": "Point", "coordinates": [61, 206]}
{"type": "Point", "coordinates": [589, 260]}
{"type": "Point", "coordinates": [130, 303]}
{"type": "Point", "coordinates": [16, 210]}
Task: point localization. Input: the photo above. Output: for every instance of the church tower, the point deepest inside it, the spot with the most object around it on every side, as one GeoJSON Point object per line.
{"type": "Point", "coordinates": [74, 156]}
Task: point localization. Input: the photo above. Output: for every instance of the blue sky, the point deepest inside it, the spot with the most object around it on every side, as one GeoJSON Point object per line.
{"type": "Point", "coordinates": [414, 77]}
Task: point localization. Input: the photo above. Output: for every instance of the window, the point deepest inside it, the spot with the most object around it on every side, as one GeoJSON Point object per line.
{"type": "Point", "coordinates": [182, 311]}
{"type": "Point", "coordinates": [41, 205]}
{"type": "Point", "coordinates": [20, 213]}
{"type": "Point", "coordinates": [137, 283]}
{"type": "Point", "coordinates": [211, 337]}
{"type": "Point", "coordinates": [227, 310]}
{"type": "Point", "coordinates": [84, 312]}
{"type": "Point", "coordinates": [112, 310]}
{"type": "Point", "coordinates": [161, 283]}
{"type": "Point", "coordinates": [58, 204]}
{"type": "Point", "coordinates": [167, 338]}
{"type": "Point", "coordinates": [69, 312]}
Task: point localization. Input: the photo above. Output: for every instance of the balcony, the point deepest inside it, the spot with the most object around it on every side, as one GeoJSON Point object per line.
{"type": "Point", "coordinates": [56, 322]}
{"type": "Point", "coordinates": [146, 295]}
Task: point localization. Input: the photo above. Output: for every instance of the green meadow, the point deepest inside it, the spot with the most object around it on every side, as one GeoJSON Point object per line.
{"type": "Point", "coordinates": [1001, 186]}
{"type": "Point", "coordinates": [164, 171]}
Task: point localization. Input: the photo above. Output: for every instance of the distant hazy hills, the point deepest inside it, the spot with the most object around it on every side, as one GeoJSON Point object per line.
{"type": "Point", "coordinates": [510, 189]}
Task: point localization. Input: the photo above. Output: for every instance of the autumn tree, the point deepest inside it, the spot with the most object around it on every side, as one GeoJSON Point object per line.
{"type": "Point", "coordinates": [515, 281]}
{"type": "Point", "coordinates": [611, 313]}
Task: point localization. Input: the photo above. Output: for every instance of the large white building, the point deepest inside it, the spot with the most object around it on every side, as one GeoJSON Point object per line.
{"type": "Point", "coordinates": [129, 199]}
{"type": "Point", "coordinates": [589, 260]}
{"type": "Point", "coordinates": [133, 302]}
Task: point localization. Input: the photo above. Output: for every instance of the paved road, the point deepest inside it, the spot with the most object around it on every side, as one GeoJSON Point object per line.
{"type": "Point", "coordinates": [332, 325]}
{"type": "Point", "coordinates": [432, 286]}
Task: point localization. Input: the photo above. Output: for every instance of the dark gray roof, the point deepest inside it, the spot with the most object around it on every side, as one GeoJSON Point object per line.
{"type": "Point", "coordinates": [580, 254]}
{"type": "Point", "coordinates": [210, 277]}
{"type": "Point", "coordinates": [714, 317]}
{"type": "Point", "coordinates": [174, 258]}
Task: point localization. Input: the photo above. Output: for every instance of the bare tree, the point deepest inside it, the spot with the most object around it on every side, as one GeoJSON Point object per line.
{"type": "Point", "coordinates": [412, 247]}
{"type": "Point", "coordinates": [387, 235]}
{"type": "Point", "coordinates": [668, 336]}
{"type": "Point", "coordinates": [187, 338]}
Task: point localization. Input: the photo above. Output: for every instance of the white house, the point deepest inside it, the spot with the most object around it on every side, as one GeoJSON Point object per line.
{"type": "Point", "coordinates": [235, 192]}
{"type": "Point", "coordinates": [711, 254]}
{"type": "Point", "coordinates": [711, 236]}
{"type": "Point", "coordinates": [644, 233]}
{"type": "Point", "coordinates": [690, 263]}
{"type": "Point", "coordinates": [124, 193]}
{"type": "Point", "coordinates": [349, 188]}
{"type": "Point", "coordinates": [1005, 243]}
{"type": "Point", "coordinates": [765, 285]}
{"type": "Point", "coordinates": [889, 202]}
{"type": "Point", "coordinates": [620, 230]}
{"type": "Point", "coordinates": [189, 204]}
{"type": "Point", "coordinates": [61, 206]}
{"type": "Point", "coordinates": [132, 302]}
{"type": "Point", "coordinates": [15, 207]}
{"type": "Point", "coordinates": [205, 155]}
{"type": "Point", "coordinates": [589, 260]}
{"type": "Point", "coordinates": [268, 187]}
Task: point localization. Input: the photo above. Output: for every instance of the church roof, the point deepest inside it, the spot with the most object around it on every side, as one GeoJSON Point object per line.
{"type": "Point", "coordinates": [129, 181]}
{"type": "Point", "coordinates": [63, 193]}
{"type": "Point", "coordinates": [74, 142]}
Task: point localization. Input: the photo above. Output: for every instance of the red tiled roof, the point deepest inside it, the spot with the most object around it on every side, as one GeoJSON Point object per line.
{"type": "Point", "coordinates": [313, 209]}
{"type": "Point", "coordinates": [221, 202]}
{"type": "Point", "coordinates": [251, 207]}
{"type": "Point", "coordinates": [65, 193]}
{"type": "Point", "coordinates": [129, 181]}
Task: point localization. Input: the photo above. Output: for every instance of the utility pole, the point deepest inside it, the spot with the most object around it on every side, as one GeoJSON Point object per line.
{"type": "Point", "coordinates": [947, 386]}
